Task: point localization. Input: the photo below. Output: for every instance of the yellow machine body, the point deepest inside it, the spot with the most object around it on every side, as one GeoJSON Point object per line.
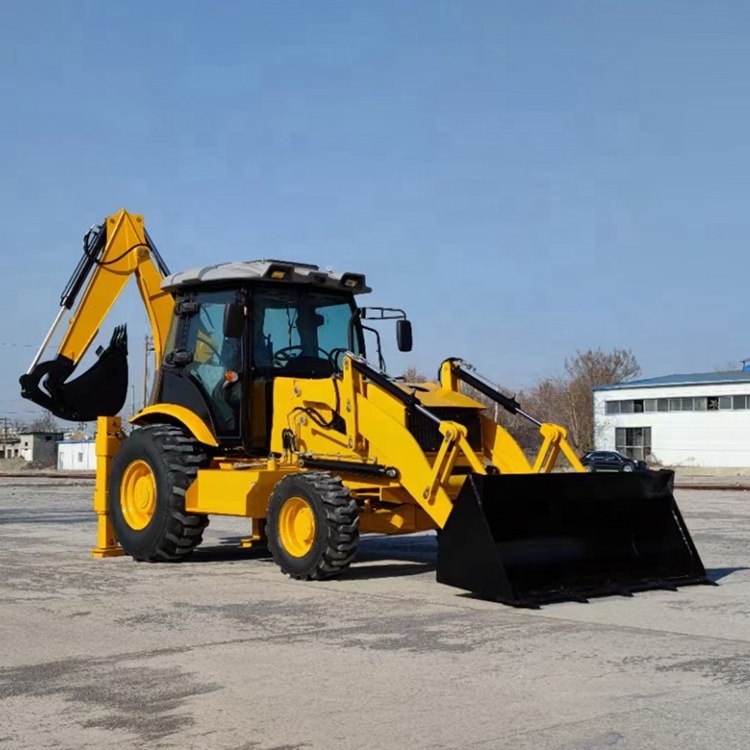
{"type": "Point", "coordinates": [370, 473]}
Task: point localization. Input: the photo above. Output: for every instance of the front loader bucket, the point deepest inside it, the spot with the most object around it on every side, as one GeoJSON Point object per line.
{"type": "Point", "coordinates": [101, 391]}
{"type": "Point", "coordinates": [529, 539]}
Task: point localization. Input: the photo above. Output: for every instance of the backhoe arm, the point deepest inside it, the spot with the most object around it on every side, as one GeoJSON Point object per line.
{"type": "Point", "coordinates": [112, 253]}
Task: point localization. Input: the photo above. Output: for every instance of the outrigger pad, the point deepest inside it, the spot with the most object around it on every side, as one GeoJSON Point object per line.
{"type": "Point", "coordinates": [530, 539]}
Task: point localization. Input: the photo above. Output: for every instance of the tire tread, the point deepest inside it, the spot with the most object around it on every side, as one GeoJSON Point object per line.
{"type": "Point", "coordinates": [183, 456]}
{"type": "Point", "coordinates": [342, 526]}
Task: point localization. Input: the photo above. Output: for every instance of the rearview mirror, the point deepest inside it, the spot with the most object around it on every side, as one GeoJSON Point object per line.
{"type": "Point", "coordinates": [234, 320]}
{"type": "Point", "coordinates": [403, 335]}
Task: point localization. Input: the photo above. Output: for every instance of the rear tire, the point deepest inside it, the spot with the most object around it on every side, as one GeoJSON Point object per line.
{"type": "Point", "coordinates": [312, 526]}
{"type": "Point", "coordinates": [150, 476]}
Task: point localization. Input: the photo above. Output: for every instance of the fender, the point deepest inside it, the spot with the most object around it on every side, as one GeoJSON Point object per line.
{"type": "Point", "coordinates": [194, 424]}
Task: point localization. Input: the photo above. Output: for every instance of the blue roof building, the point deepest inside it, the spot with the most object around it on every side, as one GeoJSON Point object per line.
{"type": "Point", "coordinates": [694, 419]}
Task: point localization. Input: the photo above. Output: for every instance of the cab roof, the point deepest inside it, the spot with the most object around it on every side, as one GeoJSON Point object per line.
{"type": "Point", "coordinates": [267, 270]}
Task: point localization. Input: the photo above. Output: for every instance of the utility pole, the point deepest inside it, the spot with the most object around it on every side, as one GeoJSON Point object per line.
{"type": "Point", "coordinates": [5, 437]}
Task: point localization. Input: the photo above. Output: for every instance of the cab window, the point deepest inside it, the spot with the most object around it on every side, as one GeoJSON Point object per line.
{"type": "Point", "coordinates": [214, 358]}
{"type": "Point", "coordinates": [303, 332]}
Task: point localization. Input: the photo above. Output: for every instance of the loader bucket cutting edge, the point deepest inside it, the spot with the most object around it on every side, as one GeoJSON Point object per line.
{"type": "Point", "coordinates": [530, 539]}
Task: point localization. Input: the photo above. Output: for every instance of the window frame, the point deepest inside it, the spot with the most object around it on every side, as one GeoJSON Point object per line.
{"type": "Point", "coordinates": [626, 442]}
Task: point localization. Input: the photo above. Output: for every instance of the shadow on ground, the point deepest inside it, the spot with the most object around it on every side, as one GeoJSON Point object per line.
{"type": "Point", "coordinates": [716, 574]}
{"type": "Point", "coordinates": [377, 556]}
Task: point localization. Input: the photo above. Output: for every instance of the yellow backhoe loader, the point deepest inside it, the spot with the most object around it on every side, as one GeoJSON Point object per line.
{"type": "Point", "coordinates": [265, 406]}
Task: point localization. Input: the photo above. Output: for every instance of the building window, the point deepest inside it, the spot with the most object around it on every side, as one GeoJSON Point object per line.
{"type": "Point", "coordinates": [633, 441]}
{"type": "Point", "coordinates": [80, 457]}
{"type": "Point", "coordinates": [687, 403]}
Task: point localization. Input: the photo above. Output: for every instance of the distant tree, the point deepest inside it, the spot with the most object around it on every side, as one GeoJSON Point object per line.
{"type": "Point", "coordinates": [45, 423]}
{"type": "Point", "coordinates": [18, 426]}
{"type": "Point", "coordinates": [568, 399]}
{"type": "Point", "coordinates": [412, 375]}
{"type": "Point", "coordinates": [583, 372]}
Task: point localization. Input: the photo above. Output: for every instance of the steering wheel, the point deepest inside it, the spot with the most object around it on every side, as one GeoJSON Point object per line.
{"type": "Point", "coordinates": [284, 356]}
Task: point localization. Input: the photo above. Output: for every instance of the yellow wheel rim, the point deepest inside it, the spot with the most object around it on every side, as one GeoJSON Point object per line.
{"type": "Point", "coordinates": [296, 526]}
{"type": "Point", "coordinates": [138, 495]}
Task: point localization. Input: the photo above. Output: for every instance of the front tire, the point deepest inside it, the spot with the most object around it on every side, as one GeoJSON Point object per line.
{"type": "Point", "coordinates": [312, 526]}
{"type": "Point", "coordinates": [150, 476]}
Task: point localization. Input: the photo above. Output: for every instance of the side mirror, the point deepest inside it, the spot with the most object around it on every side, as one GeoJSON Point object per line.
{"type": "Point", "coordinates": [403, 335]}
{"type": "Point", "coordinates": [234, 320]}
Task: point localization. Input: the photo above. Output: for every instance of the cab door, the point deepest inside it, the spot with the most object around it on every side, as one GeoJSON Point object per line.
{"type": "Point", "coordinates": [203, 367]}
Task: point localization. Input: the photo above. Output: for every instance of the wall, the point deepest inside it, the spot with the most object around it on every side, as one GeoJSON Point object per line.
{"type": "Point", "coordinates": [690, 438]}
{"type": "Point", "coordinates": [76, 456]}
{"type": "Point", "coordinates": [10, 450]}
{"type": "Point", "coordinates": [40, 446]}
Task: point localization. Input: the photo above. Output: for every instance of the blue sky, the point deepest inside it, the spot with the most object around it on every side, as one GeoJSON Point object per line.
{"type": "Point", "coordinates": [525, 178]}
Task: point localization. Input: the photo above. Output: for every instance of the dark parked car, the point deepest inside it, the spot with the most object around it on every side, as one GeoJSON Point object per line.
{"type": "Point", "coordinates": [611, 461]}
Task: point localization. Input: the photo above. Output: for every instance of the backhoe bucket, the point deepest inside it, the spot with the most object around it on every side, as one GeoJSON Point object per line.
{"type": "Point", "coordinates": [529, 539]}
{"type": "Point", "coordinates": [101, 391]}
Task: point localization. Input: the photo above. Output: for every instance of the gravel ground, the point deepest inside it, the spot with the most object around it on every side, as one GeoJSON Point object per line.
{"type": "Point", "coordinates": [224, 653]}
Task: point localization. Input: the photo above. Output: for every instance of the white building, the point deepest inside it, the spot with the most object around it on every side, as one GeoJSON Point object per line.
{"type": "Point", "coordinates": [678, 420]}
{"type": "Point", "coordinates": [76, 455]}
{"type": "Point", "coordinates": [39, 447]}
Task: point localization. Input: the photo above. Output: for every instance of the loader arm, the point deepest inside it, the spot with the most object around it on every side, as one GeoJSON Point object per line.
{"type": "Point", "coordinates": [425, 478]}
{"type": "Point", "coordinates": [112, 253]}
{"type": "Point", "coordinates": [498, 443]}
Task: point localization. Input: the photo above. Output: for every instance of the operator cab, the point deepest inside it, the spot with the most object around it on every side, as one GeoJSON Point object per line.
{"type": "Point", "coordinates": [239, 326]}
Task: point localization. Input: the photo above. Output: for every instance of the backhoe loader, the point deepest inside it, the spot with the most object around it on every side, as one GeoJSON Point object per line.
{"type": "Point", "coordinates": [266, 406]}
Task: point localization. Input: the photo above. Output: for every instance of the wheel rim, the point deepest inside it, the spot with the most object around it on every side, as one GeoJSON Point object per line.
{"type": "Point", "coordinates": [296, 526]}
{"type": "Point", "coordinates": [138, 495]}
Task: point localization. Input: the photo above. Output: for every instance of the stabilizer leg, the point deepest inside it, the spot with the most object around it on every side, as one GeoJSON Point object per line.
{"type": "Point", "coordinates": [108, 439]}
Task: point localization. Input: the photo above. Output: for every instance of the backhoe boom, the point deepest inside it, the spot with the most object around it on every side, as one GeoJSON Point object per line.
{"type": "Point", "coordinates": [112, 253]}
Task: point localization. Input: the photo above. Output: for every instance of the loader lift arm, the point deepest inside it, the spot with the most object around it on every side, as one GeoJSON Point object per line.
{"type": "Point", "coordinates": [112, 252]}
{"type": "Point", "coordinates": [555, 437]}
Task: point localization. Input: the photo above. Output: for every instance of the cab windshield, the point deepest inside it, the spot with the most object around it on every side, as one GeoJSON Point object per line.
{"type": "Point", "coordinates": [303, 331]}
